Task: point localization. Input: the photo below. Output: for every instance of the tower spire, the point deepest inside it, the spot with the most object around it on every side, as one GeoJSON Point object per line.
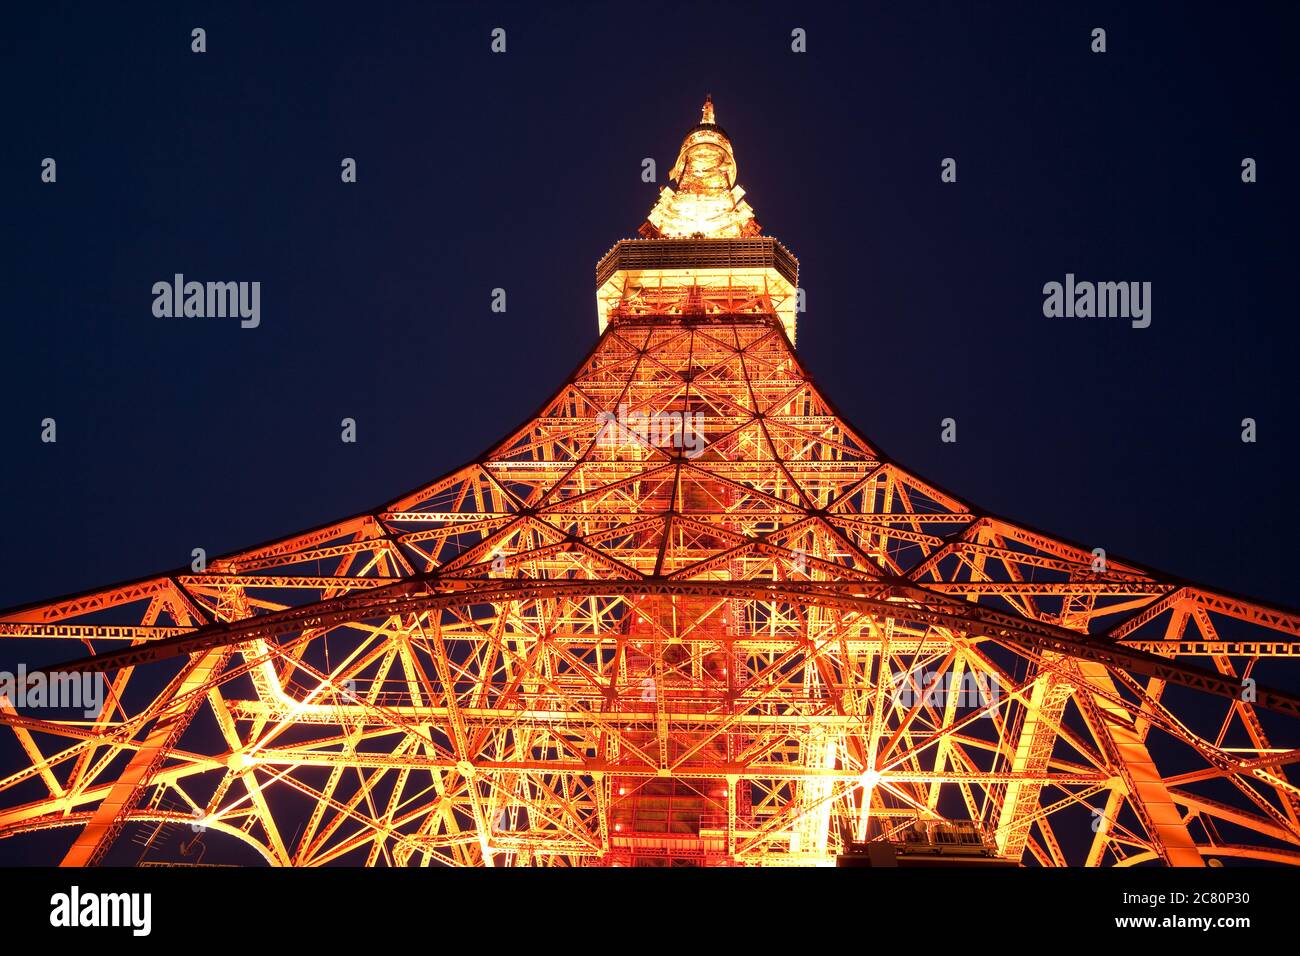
{"type": "Point", "coordinates": [701, 253]}
{"type": "Point", "coordinates": [707, 202]}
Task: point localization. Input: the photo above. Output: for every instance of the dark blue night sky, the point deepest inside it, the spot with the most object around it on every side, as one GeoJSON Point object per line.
{"type": "Point", "coordinates": [520, 170]}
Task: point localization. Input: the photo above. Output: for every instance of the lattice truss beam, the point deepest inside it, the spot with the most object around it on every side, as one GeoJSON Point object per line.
{"type": "Point", "coordinates": [478, 672]}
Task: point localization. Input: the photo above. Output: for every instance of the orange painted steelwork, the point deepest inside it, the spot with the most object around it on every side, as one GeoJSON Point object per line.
{"type": "Point", "coordinates": [686, 615]}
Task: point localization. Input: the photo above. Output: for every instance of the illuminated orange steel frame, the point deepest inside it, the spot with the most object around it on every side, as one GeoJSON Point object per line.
{"type": "Point", "coordinates": [685, 615]}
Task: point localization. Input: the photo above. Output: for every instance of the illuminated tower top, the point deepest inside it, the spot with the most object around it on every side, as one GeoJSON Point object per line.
{"type": "Point", "coordinates": [707, 202]}
{"type": "Point", "coordinates": [702, 255]}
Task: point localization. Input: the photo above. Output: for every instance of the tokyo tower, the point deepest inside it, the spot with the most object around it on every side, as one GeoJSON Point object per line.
{"type": "Point", "coordinates": [685, 615]}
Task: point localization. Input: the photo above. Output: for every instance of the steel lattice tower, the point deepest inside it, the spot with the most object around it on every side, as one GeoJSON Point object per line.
{"type": "Point", "coordinates": [686, 614]}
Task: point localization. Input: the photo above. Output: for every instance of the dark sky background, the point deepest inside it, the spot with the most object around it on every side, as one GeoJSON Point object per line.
{"type": "Point", "coordinates": [520, 170]}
